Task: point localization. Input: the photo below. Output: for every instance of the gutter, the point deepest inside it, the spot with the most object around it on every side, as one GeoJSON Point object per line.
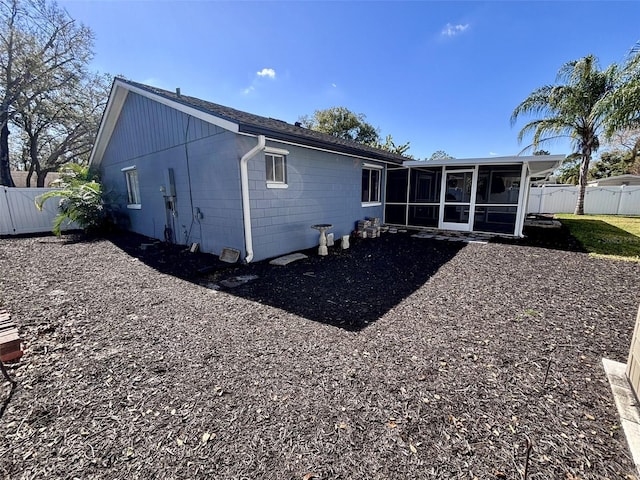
{"type": "Point", "coordinates": [244, 187]}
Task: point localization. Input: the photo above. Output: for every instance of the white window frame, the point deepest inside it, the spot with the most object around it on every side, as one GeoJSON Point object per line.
{"type": "Point", "coordinates": [372, 167]}
{"type": "Point", "coordinates": [133, 187]}
{"type": "Point", "coordinates": [276, 154]}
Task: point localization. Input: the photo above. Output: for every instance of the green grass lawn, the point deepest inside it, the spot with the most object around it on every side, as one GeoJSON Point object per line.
{"type": "Point", "coordinates": [610, 236]}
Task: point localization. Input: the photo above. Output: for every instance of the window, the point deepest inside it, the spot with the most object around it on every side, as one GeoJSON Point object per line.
{"type": "Point", "coordinates": [133, 188]}
{"type": "Point", "coordinates": [371, 184]}
{"type": "Point", "coordinates": [276, 170]}
{"type": "Point", "coordinates": [498, 185]}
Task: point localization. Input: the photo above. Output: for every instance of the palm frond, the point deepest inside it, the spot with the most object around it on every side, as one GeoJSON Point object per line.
{"type": "Point", "coordinates": [537, 102]}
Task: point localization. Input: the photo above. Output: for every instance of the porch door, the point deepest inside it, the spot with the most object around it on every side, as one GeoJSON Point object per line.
{"type": "Point", "coordinates": [457, 202]}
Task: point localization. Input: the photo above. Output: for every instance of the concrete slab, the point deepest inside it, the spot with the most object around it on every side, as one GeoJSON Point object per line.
{"type": "Point", "coordinates": [287, 259]}
{"type": "Point", "coordinates": [627, 405]}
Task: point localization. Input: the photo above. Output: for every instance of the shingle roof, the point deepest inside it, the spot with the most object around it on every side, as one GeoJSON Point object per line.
{"type": "Point", "coordinates": [275, 129]}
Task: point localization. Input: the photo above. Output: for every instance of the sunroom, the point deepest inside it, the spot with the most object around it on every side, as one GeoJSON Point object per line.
{"type": "Point", "coordinates": [486, 195]}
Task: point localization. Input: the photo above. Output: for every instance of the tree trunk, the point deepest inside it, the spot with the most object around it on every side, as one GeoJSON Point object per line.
{"type": "Point", "coordinates": [582, 181]}
{"type": "Point", "coordinates": [5, 170]}
{"type": "Point", "coordinates": [42, 176]}
{"type": "Point", "coordinates": [29, 175]}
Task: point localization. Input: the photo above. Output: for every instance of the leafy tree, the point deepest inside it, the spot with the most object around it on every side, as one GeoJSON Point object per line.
{"type": "Point", "coordinates": [569, 171]}
{"type": "Point", "coordinates": [570, 109]}
{"type": "Point", "coordinates": [440, 155]}
{"type": "Point", "coordinates": [627, 142]}
{"type": "Point", "coordinates": [541, 152]}
{"type": "Point", "coordinates": [42, 50]}
{"type": "Point", "coordinates": [343, 123]}
{"type": "Point", "coordinates": [390, 146]}
{"type": "Point", "coordinates": [613, 163]}
{"type": "Point", "coordinates": [80, 199]}
{"type": "Point", "coordinates": [59, 129]}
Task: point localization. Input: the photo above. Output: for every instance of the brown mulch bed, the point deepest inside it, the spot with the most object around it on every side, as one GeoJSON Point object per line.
{"type": "Point", "coordinates": [397, 358]}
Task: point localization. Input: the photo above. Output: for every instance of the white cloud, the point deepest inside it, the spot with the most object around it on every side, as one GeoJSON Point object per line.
{"type": "Point", "coordinates": [334, 85]}
{"type": "Point", "coordinates": [493, 154]}
{"type": "Point", "coordinates": [267, 72]}
{"type": "Point", "coordinates": [453, 30]}
{"type": "Point", "coordinates": [257, 81]}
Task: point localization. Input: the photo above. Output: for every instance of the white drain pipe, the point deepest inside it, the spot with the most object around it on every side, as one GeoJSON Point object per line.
{"type": "Point", "coordinates": [244, 186]}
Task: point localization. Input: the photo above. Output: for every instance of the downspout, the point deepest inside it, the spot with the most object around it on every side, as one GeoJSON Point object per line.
{"type": "Point", "coordinates": [244, 187]}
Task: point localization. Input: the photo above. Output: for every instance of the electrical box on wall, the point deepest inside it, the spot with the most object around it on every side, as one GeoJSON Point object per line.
{"type": "Point", "coordinates": [169, 183]}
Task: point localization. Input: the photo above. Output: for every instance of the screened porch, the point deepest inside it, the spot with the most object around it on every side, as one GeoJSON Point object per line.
{"type": "Point", "coordinates": [480, 195]}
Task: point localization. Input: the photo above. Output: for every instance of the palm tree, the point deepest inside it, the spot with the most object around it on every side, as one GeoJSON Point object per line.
{"type": "Point", "coordinates": [571, 109]}
{"type": "Point", "coordinates": [80, 199]}
{"type": "Point", "coordinates": [622, 106]}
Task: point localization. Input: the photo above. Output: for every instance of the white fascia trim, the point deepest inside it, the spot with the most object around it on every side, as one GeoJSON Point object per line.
{"type": "Point", "coordinates": [108, 123]}
{"type": "Point", "coordinates": [371, 165]}
{"type": "Point", "coordinates": [276, 151]}
{"type": "Point", "coordinates": [126, 169]}
{"type": "Point", "coordinates": [514, 159]}
{"type": "Point", "coordinates": [335, 152]}
{"type": "Point", "coordinates": [118, 95]}
{"type": "Point", "coordinates": [372, 204]}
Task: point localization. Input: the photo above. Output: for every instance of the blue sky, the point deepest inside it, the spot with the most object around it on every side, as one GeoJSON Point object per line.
{"type": "Point", "coordinates": [442, 75]}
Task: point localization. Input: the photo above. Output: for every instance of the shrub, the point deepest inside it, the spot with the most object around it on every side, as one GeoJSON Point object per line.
{"type": "Point", "coordinates": [80, 199]}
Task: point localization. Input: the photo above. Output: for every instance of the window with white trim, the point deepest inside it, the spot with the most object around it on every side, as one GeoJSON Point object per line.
{"type": "Point", "coordinates": [133, 187]}
{"type": "Point", "coordinates": [276, 168]}
{"type": "Point", "coordinates": [371, 185]}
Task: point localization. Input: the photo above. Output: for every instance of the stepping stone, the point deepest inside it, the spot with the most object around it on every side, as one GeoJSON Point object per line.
{"type": "Point", "coordinates": [476, 241]}
{"type": "Point", "coordinates": [287, 259]}
{"type": "Point", "coordinates": [234, 282]}
{"type": "Point", "coordinates": [423, 235]}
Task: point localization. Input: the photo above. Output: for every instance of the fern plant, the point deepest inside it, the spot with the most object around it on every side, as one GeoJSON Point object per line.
{"type": "Point", "coordinates": [80, 201]}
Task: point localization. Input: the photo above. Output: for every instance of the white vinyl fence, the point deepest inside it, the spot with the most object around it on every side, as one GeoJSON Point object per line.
{"type": "Point", "coordinates": [623, 200]}
{"type": "Point", "coordinates": [18, 213]}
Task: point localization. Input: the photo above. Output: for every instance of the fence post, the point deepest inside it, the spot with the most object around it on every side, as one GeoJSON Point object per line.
{"type": "Point", "coordinates": [620, 194]}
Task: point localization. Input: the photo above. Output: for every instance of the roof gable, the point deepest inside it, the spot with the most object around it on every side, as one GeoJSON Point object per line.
{"type": "Point", "coordinates": [230, 119]}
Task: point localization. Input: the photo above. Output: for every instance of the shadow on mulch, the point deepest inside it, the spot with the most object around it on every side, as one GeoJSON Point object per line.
{"type": "Point", "coordinates": [348, 288]}
{"type": "Point", "coordinates": [549, 238]}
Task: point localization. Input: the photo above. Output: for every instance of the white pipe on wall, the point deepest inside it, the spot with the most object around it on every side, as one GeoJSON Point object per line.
{"type": "Point", "coordinates": [244, 186]}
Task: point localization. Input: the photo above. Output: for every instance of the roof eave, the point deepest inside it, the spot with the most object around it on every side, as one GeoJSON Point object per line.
{"type": "Point", "coordinates": [320, 144]}
{"type": "Point", "coordinates": [514, 160]}
{"type": "Point", "coordinates": [119, 91]}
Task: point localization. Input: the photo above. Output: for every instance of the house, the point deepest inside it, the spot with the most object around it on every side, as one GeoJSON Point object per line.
{"type": "Point", "coordinates": [189, 171]}
{"type": "Point", "coordinates": [186, 171]}
{"type": "Point", "coordinates": [617, 181]}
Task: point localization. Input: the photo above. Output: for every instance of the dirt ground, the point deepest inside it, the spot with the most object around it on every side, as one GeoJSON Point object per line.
{"type": "Point", "coordinates": [398, 358]}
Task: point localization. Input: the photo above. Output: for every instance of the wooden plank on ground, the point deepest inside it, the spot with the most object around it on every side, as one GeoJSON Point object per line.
{"type": "Point", "coordinates": [10, 345]}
